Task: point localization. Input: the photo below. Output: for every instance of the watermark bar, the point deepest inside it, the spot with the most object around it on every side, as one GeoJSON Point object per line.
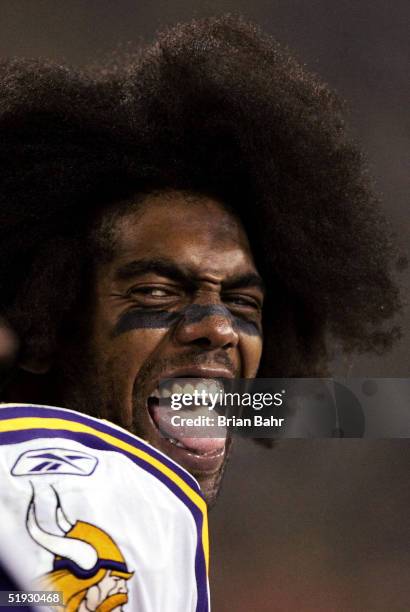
{"type": "Point", "coordinates": [18, 599]}
{"type": "Point", "coordinates": [283, 408]}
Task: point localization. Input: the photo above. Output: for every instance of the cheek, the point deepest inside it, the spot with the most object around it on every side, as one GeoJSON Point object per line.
{"type": "Point", "coordinates": [127, 354]}
{"type": "Point", "coordinates": [93, 597]}
{"type": "Point", "coordinates": [251, 351]}
{"type": "Point", "coordinates": [138, 345]}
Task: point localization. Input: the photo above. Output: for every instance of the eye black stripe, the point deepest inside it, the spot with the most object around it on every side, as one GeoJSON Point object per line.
{"type": "Point", "coordinates": [148, 319]}
{"type": "Point", "coordinates": [145, 319]}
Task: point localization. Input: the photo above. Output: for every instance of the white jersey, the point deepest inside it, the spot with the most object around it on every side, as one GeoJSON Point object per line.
{"type": "Point", "coordinates": [91, 511]}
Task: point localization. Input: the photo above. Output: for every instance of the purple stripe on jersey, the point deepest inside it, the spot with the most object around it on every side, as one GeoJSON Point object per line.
{"type": "Point", "coordinates": [79, 572]}
{"type": "Point", "coordinates": [92, 441]}
{"type": "Point", "coordinates": [46, 412]}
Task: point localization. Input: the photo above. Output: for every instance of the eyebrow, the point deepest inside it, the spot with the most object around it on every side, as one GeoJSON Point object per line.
{"type": "Point", "coordinates": [245, 280]}
{"type": "Point", "coordinates": [182, 274]}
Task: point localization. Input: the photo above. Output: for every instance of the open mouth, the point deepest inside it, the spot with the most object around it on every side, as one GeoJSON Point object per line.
{"type": "Point", "coordinates": [199, 447]}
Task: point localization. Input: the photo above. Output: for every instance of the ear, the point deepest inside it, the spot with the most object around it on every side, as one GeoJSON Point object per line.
{"type": "Point", "coordinates": [9, 350]}
{"type": "Point", "coordinates": [9, 345]}
{"type": "Point", "coordinates": [34, 357]}
{"type": "Point", "coordinates": [34, 364]}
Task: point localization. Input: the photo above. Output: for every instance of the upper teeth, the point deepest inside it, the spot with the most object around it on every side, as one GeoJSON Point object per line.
{"type": "Point", "coordinates": [207, 385]}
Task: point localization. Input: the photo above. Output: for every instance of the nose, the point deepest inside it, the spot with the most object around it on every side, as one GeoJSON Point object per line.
{"type": "Point", "coordinates": [208, 326]}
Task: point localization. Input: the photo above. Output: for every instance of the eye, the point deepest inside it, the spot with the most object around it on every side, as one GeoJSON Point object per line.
{"type": "Point", "coordinates": [155, 292]}
{"type": "Point", "coordinates": [242, 301]}
{"type": "Point", "coordinates": [152, 293]}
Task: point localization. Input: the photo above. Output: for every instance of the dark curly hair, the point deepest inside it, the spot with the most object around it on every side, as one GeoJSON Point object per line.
{"type": "Point", "coordinates": [216, 107]}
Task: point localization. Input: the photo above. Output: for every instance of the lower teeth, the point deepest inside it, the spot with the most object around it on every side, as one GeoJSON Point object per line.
{"type": "Point", "coordinates": [176, 442]}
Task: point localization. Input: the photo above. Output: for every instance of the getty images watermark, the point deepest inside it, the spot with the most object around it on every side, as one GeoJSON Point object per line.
{"type": "Point", "coordinates": [222, 403]}
{"type": "Point", "coordinates": [284, 408]}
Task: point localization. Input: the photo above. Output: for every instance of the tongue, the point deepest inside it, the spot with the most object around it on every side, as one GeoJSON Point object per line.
{"type": "Point", "coordinates": [203, 445]}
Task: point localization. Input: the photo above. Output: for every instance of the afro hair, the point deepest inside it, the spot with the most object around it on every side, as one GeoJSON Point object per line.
{"type": "Point", "coordinates": [216, 107]}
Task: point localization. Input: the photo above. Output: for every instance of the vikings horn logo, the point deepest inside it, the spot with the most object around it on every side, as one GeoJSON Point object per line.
{"type": "Point", "coordinates": [88, 568]}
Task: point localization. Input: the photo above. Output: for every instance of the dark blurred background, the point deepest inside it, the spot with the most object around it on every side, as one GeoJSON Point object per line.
{"type": "Point", "coordinates": [310, 525]}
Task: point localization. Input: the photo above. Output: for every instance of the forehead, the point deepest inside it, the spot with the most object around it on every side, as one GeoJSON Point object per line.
{"type": "Point", "coordinates": [192, 230]}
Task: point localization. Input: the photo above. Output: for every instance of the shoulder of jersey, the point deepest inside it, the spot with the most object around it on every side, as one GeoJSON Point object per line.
{"type": "Point", "coordinates": [24, 422]}
{"type": "Point", "coordinates": [57, 441]}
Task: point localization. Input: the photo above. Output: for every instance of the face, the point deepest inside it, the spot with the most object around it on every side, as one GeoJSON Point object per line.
{"type": "Point", "coordinates": [109, 594]}
{"type": "Point", "coordinates": [180, 297]}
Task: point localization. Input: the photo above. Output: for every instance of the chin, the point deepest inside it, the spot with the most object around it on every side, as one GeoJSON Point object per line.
{"type": "Point", "coordinates": [210, 488]}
